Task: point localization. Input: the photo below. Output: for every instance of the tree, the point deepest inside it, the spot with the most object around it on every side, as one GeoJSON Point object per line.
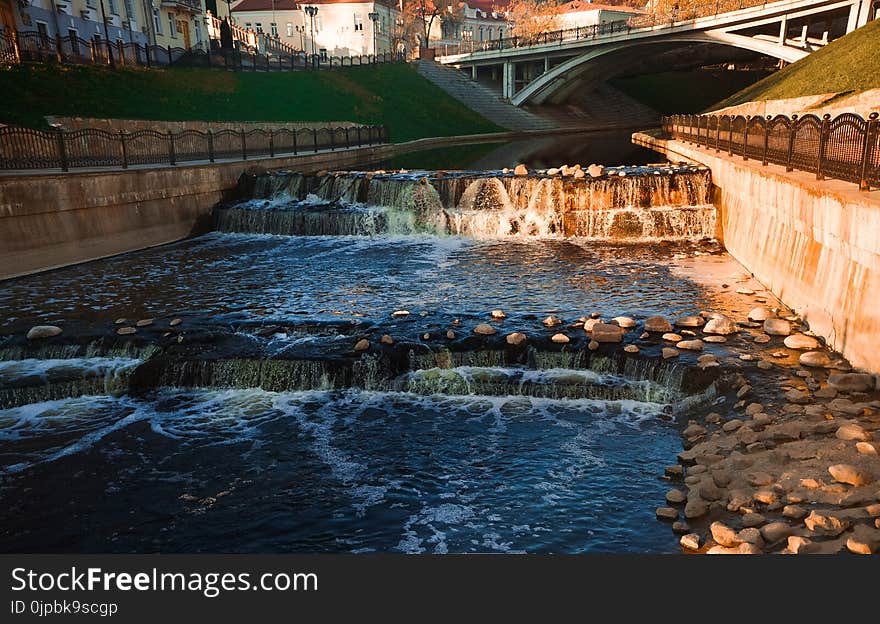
{"type": "Point", "coordinates": [418, 19]}
{"type": "Point", "coordinates": [529, 18]}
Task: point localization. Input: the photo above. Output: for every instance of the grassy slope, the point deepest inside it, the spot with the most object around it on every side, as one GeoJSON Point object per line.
{"type": "Point", "coordinates": [411, 106]}
{"type": "Point", "coordinates": [685, 91]}
{"type": "Point", "coordinates": [852, 63]}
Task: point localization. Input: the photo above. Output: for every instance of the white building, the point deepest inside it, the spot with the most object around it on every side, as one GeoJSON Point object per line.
{"type": "Point", "coordinates": [475, 20]}
{"type": "Point", "coordinates": [337, 28]}
{"type": "Point", "coordinates": [579, 13]}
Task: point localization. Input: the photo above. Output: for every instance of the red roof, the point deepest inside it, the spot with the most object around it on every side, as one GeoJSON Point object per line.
{"type": "Point", "coordinates": [265, 5]}
{"type": "Point", "coordinates": [576, 6]}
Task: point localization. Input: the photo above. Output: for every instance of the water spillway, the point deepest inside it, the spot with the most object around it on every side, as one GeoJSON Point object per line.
{"type": "Point", "coordinates": [669, 202]}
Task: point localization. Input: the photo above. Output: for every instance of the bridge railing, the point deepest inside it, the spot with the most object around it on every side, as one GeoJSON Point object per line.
{"type": "Point", "coordinates": [846, 147]}
{"type": "Point", "coordinates": [28, 148]}
{"type": "Point", "coordinates": [662, 19]}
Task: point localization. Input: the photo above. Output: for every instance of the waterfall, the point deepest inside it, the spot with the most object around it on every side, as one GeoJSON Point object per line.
{"type": "Point", "coordinates": [645, 203]}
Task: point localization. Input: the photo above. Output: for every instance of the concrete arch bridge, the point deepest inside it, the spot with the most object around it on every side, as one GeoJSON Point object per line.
{"type": "Point", "coordinates": [548, 68]}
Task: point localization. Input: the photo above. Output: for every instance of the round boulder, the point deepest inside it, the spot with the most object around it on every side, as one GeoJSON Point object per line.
{"type": "Point", "coordinates": [777, 327]}
{"type": "Point", "coordinates": [43, 331]}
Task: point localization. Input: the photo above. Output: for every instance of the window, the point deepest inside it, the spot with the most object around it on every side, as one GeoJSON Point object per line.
{"type": "Point", "coordinates": [247, 25]}
{"type": "Point", "coordinates": [274, 27]}
{"type": "Point", "coordinates": [323, 53]}
{"type": "Point", "coordinates": [490, 33]}
{"type": "Point", "coordinates": [172, 29]}
{"type": "Point", "coordinates": [129, 10]}
{"type": "Point", "coordinates": [358, 22]}
{"type": "Point", "coordinates": [157, 21]}
{"type": "Point", "coordinates": [258, 27]}
{"type": "Point", "coordinates": [113, 8]}
{"type": "Point", "coordinates": [198, 31]}
{"type": "Point", "coordinates": [43, 29]}
{"type": "Point", "coordinates": [289, 29]}
{"type": "Point", "coordinates": [73, 38]}
{"type": "Point", "coordinates": [481, 33]}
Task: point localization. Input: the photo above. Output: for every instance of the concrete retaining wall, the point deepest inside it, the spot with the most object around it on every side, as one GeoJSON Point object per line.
{"type": "Point", "coordinates": [50, 220]}
{"type": "Point", "coordinates": [815, 245]}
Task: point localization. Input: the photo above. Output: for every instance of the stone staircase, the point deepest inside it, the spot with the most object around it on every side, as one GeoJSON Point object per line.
{"type": "Point", "coordinates": [600, 107]}
{"type": "Point", "coordinates": [481, 99]}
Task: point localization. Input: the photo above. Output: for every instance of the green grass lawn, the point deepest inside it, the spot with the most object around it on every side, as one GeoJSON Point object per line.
{"type": "Point", "coordinates": [850, 64]}
{"type": "Point", "coordinates": [394, 95]}
{"type": "Point", "coordinates": [686, 91]}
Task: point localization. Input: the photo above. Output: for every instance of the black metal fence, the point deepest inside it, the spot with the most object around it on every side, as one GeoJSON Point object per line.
{"type": "Point", "coordinates": [34, 47]}
{"type": "Point", "coordinates": [846, 147]}
{"type": "Point", "coordinates": [27, 148]}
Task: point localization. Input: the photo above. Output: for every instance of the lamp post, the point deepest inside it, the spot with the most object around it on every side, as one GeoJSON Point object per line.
{"type": "Point", "coordinates": [301, 29]}
{"type": "Point", "coordinates": [374, 17]}
{"type": "Point", "coordinates": [312, 11]}
{"type": "Point", "coordinates": [106, 36]}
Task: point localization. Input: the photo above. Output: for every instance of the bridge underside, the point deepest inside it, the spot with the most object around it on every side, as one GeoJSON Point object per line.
{"type": "Point", "coordinates": [554, 74]}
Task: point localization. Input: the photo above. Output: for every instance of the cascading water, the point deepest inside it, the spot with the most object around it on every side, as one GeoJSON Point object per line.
{"type": "Point", "coordinates": [664, 202]}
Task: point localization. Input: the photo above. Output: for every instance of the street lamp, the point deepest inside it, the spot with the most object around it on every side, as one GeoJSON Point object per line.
{"type": "Point", "coordinates": [374, 17]}
{"type": "Point", "coordinates": [106, 36]}
{"type": "Point", "coordinates": [312, 11]}
{"type": "Point", "coordinates": [301, 29]}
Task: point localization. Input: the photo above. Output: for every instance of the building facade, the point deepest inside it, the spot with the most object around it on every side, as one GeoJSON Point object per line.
{"type": "Point", "coordinates": [333, 28]}
{"type": "Point", "coordinates": [472, 20]}
{"type": "Point", "coordinates": [174, 23]}
{"type": "Point", "coordinates": [579, 13]}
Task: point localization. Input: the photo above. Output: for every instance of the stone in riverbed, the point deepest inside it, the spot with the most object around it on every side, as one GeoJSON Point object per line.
{"type": "Point", "coordinates": [400, 313]}
{"type": "Point", "coordinates": [450, 335]}
{"type": "Point", "coordinates": [866, 448]}
{"type": "Point", "coordinates": [864, 541]}
{"type": "Point", "coordinates": [691, 541]}
{"type": "Point", "coordinates": [825, 524]}
{"type": "Point", "coordinates": [386, 340]}
{"type": "Point", "coordinates": [752, 519]}
{"type": "Point", "coordinates": [695, 509]}
{"type": "Point", "coordinates": [851, 382]}
{"type": "Point", "coordinates": [631, 348]}
{"type": "Point", "coordinates": [675, 497]}
{"type": "Point", "coordinates": [690, 345]}
{"type": "Point", "coordinates": [801, 545]}
{"type": "Point", "coordinates": [761, 339]}
{"type": "Point", "coordinates": [175, 322]}
{"type": "Point", "coordinates": [624, 321]}
{"type": "Point", "coordinates": [126, 331]}
{"type": "Point", "coordinates": [589, 323]}
{"type": "Point", "coordinates": [498, 315]}
{"type": "Point", "coordinates": [144, 322]}
{"type": "Point", "coordinates": [761, 313]}
{"type": "Point", "coordinates": [800, 342]}
{"type": "Point", "coordinates": [721, 325]}
{"type": "Point", "coordinates": [667, 514]}
{"type": "Point", "coordinates": [851, 475]}
{"type": "Point", "coordinates": [680, 528]}
{"type": "Point", "coordinates": [43, 331]}
{"type": "Point", "coordinates": [724, 535]}
{"type": "Point", "coordinates": [667, 353]}
{"type": "Point", "coordinates": [596, 171]}
{"type": "Point", "coordinates": [715, 339]}
{"type": "Point", "coordinates": [657, 324]}
{"type": "Point", "coordinates": [675, 471]}
{"type": "Point", "coordinates": [362, 345]}
{"type": "Point", "coordinates": [690, 321]}
{"type": "Point", "coordinates": [484, 329]}
{"type": "Point", "coordinates": [751, 535]}
{"type": "Point", "coordinates": [604, 332]}
{"type": "Point", "coordinates": [795, 512]}
{"type": "Point", "coordinates": [851, 431]}
{"type": "Point", "coordinates": [669, 336]}
{"type": "Point", "coordinates": [520, 170]}
{"type": "Point", "coordinates": [560, 339]}
{"type": "Point", "coordinates": [776, 531]}
{"type": "Point", "coordinates": [777, 327]}
{"type": "Point", "coordinates": [797, 396]}
{"type": "Point", "coordinates": [815, 359]}
{"type": "Point", "coordinates": [516, 338]}
{"type": "Point", "coordinates": [593, 345]}
{"type": "Point", "coordinates": [743, 549]}
{"type": "Point", "coordinates": [552, 321]}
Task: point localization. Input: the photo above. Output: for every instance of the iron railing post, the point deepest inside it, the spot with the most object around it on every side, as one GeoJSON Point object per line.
{"type": "Point", "coordinates": [62, 151]}
{"type": "Point", "coordinates": [823, 139]}
{"type": "Point", "coordinates": [730, 137]}
{"type": "Point", "coordinates": [347, 140]}
{"type": "Point", "coordinates": [867, 147]}
{"type": "Point", "coordinates": [717, 134]}
{"type": "Point", "coordinates": [792, 129]}
{"type": "Point", "coordinates": [271, 144]}
{"type": "Point", "coordinates": [745, 149]}
{"type": "Point", "coordinates": [171, 157]}
{"type": "Point", "coordinates": [124, 149]}
{"type": "Point", "coordinates": [169, 54]}
{"type": "Point", "coordinates": [243, 144]}
{"type": "Point", "coordinates": [210, 146]}
{"type": "Point", "coordinates": [294, 141]}
{"type": "Point", "coordinates": [315, 138]}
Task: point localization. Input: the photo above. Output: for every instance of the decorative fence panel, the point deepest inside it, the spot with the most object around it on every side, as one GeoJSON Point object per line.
{"type": "Point", "coordinates": [846, 147]}
{"type": "Point", "coordinates": [27, 148]}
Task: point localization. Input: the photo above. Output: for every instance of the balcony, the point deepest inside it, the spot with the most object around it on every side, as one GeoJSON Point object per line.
{"type": "Point", "coordinates": [190, 6]}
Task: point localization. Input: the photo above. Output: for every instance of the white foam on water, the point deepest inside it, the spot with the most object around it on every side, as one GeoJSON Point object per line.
{"type": "Point", "coordinates": [83, 367]}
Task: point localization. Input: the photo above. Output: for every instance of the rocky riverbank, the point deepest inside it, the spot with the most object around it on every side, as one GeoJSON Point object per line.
{"type": "Point", "coordinates": [793, 467]}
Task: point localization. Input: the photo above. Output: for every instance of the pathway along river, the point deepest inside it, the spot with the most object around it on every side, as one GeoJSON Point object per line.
{"type": "Point", "coordinates": [208, 396]}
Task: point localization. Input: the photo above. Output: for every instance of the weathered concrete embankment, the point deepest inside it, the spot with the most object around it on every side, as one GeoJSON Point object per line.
{"type": "Point", "coordinates": [816, 245]}
{"type": "Point", "coordinates": [49, 220]}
